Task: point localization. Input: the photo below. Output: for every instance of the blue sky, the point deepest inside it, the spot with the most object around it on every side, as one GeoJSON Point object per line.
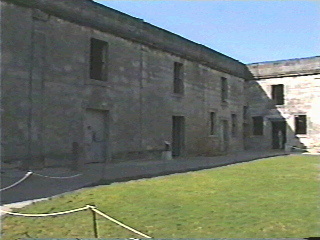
{"type": "Point", "coordinates": [249, 31]}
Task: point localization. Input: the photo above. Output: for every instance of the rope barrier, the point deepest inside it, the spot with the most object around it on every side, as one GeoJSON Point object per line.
{"type": "Point", "coordinates": [92, 208]}
{"type": "Point", "coordinates": [37, 174]}
{"type": "Point", "coordinates": [20, 181]}
{"type": "Point", "coordinates": [45, 214]}
{"type": "Point", "coordinates": [119, 223]}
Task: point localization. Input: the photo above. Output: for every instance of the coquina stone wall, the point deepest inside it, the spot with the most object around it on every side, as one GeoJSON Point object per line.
{"type": "Point", "coordinates": [301, 81]}
{"type": "Point", "coordinates": [47, 90]}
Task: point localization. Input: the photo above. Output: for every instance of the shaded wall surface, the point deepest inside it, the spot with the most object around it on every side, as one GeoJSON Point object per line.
{"type": "Point", "coordinates": [47, 92]}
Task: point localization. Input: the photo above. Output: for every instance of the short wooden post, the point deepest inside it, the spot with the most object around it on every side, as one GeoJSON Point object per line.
{"type": "Point", "coordinates": [95, 227]}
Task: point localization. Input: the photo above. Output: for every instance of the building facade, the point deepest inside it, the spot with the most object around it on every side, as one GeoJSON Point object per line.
{"type": "Point", "coordinates": [284, 99]}
{"type": "Point", "coordinates": [113, 84]}
{"type": "Point", "coordinates": [79, 75]}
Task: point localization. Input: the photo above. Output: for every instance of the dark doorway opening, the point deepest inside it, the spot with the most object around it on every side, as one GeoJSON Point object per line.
{"type": "Point", "coordinates": [224, 135]}
{"type": "Point", "coordinates": [279, 134]}
{"type": "Point", "coordinates": [178, 129]}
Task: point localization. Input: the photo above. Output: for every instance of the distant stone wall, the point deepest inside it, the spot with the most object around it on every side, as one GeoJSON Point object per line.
{"type": "Point", "coordinates": [301, 80]}
{"type": "Point", "coordinates": [285, 68]}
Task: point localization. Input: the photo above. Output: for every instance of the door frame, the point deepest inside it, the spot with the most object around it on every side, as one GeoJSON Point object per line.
{"type": "Point", "coordinates": [276, 126]}
{"type": "Point", "coordinates": [178, 136]}
{"type": "Point", "coordinates": [224, 135]}
{"type": "Point", "coordinates": [106, 122]}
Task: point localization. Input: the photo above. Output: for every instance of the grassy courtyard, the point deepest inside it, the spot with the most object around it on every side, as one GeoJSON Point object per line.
{"type": "Point", "coordinates": [272, 198]}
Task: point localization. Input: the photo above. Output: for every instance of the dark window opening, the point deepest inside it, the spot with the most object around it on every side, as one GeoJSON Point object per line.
{"type": "Point", "coordinates": [178, 85]}
{"type": "Point", "coordinates": [212, 123]}
{"type": "Point", "coordinates": [278, 94]}
{"type": "Point", "coordinates": [300, 124]}
{"type": "Point", "coordinates": [224, 89]}
{"type": "Point", "coordinates": [245, 112]}
{"type": "Point", "coordinates": [98, 59]}
{"type": "Point", "coordinates": [257, 126]}
{"type": "Point", "coordinates": [234, 125]}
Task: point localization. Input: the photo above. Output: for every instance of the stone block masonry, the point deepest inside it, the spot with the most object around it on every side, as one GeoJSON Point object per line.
{"type": "Point", "coordinates": [79, 72]}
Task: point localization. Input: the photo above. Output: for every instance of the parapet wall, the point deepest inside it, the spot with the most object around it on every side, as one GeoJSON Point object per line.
{"type": "Point", "coordinates": [284, 68]}
{"type": "Point", "coordinates": [93, 15]}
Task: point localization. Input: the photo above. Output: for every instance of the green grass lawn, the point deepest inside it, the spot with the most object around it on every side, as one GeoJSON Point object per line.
{"type": "Point", "coordinates": [272, 198]}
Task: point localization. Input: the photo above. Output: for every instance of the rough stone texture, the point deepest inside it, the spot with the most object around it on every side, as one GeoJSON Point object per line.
{"type": "Point", "coordinates": [291, 67]}
{"type": "Point", "coordinates": [47, 89]}
{"type": "Point", "coordinates": [301, 80]}
{"type": "Point", "coordinates": [15, 80]}
{"type": "Point", "coordinates": [47, 92]}
{"type": "Point", "coordinates": [93, 15]}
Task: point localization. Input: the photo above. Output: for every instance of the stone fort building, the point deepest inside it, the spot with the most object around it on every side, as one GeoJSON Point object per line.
{"type": "Point", "coordinates": [76, 75]}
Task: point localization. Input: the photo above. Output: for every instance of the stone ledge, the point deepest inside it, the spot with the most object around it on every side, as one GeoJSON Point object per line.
{"type": "Point", "coordinates": [125, 26]}
{"type": "Point", "coordinates": [286, 68]}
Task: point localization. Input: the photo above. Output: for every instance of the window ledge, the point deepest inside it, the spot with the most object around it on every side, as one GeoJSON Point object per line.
{"type": "Point", "coordinates": [100, 83]}
{"type": "Point", "coordinates": [213, 136]}
{"type": "Point", "coordinates": [302, 135]}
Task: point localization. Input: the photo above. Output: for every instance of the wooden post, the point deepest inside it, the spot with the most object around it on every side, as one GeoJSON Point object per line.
{"type": "Point", "coordinates": [95, 227]}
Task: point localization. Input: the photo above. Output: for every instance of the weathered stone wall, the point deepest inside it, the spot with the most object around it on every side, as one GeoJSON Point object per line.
{"type": "Point", "coordinates": [15, 79]}
{"type": "Point", "coordinates": [96, 16]}
{"type": "Point", "coordinates": [292, 67]}
{"type": "Point", "coordinates": [46, 86]}
{"type": "Point", "coordinates": [47, 89]}
{"type": "Point", "coordinates": [301, 80]}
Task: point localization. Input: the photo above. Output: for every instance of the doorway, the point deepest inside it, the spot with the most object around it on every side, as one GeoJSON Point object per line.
{"type": "Point", "coordinates": [96, 136]}
{"type": "Point", "coordinates": [224, 135]}
{"type": "Point", "coordinates": [279, 134]}
{"type": "Point", "coordinates": [178, 131]}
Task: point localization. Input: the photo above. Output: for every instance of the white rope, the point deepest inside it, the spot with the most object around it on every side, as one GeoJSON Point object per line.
{"type": "Point", "coordinates": [77, 175]}
{"type": "Point", "coordinates": [45, 214]}
{"type": "Point", "coordinates": [36, 174]}
{"type": "Point", "coordinates": [20, 181]}
{"type": "Point", "coordinates": [119, 223]}
{"type": "Point", "coordinates": [73, 211]}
